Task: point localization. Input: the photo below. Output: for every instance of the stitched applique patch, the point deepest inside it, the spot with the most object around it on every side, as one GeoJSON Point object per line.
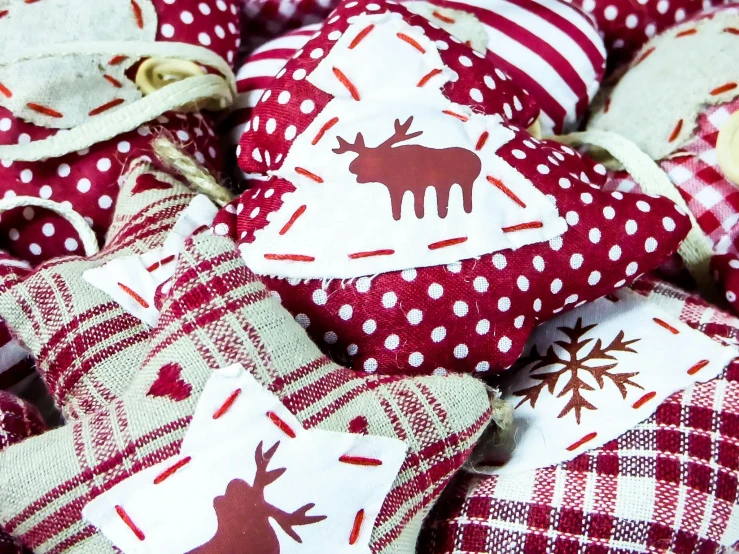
{"type": "Point", "coordinates": [138, 283]}
{"type": "Point", "coordinates": [592, 374]}
{"type": "Point", "coordinates": [391, 174]}
{"type": "Point", "coordinates": [249, 474]}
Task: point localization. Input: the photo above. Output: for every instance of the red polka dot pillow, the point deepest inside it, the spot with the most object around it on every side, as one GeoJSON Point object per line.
{"type": "Point", "coordinates": [87, 181]}
{"type": "Point", "coordinates": [404, 216]}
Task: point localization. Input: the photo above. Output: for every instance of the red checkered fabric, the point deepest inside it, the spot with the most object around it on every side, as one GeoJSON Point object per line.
{"type": "Point", "coordinates": [668, 485]}
{"type": "Point", "coordinates": [88, 180]}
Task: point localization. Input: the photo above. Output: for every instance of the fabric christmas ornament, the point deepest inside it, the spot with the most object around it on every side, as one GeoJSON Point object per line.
{"type": "Point", "coordinates": [456, 286]}
{"type": "Point", "coordinates": [87, 348]}
{"type": "Point", "coordinates": [18, 421]}
{"type": "Point", "coordinates": [627, 26]}
{"type": "Point", "coordinates": [667, 485]}
{"type": "Point", "coordinates": [218, 314]}
{"type": "Point", "coordinates": [126, 63]}
{"type": "Point", "coordinates": [691, 131]}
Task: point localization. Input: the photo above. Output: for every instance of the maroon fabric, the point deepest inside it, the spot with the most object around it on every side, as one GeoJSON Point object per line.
{"type": "Point", "coordinates": [88, 180]}
{"type": "Point", "coordinates": [668, 485]}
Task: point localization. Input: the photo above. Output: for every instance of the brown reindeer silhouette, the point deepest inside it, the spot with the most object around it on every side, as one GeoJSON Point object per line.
{"type": "Point", "coordinates": [243, 515]}
{"type": "Point", "coordinates": [412, 167]}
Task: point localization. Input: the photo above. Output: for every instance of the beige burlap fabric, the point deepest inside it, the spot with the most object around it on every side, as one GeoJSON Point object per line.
{"type": "Point", "coordinates": [86, 346]}
{"type": "Point", "coordinates": [219, 314]}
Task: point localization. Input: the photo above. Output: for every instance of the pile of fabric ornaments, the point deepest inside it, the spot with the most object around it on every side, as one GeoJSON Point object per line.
{"type": "Point", "coordinates": [434, 277]}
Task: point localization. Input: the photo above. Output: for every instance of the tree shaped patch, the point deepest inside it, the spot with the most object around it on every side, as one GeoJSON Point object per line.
{"type": "Point", "coordinates": [243, 514]}
{"type": "Point", "coordinates": [600, 363]}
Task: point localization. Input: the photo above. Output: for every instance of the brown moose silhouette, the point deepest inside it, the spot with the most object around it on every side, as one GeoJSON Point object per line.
{"type": "Point", "coordinates": [412, 167]}
{"type": "Point", "coordinates": [243, 515]}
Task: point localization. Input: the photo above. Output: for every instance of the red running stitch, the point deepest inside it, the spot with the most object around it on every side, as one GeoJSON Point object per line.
{"type": "Point", "coordinates": [128, 521]}
{"type": "Point", "coordinates": [523, 227]}
{"type": "Point", "coordinates": [289, 257]}
{"type": "Point", "coordinates": [578, 444]}
{"type": "Point", "coordinates": [666, 325]}
{"type": "Point", "coordinates": [281, 425]}
{"type": "Point", "coordinates": [686, 33]}
{"type": "Point", "coordinates": [697, 367]}
{"type": "Point", "coordinates": [117, 59]}
{"type": "Point", "coordinates": [363, 33]}
{"type": "Point", "coordinates": [330, 123]}
{"type": "Point", "coordinates": [5, 91]}
{"type": "Point", "coordinates": [133, 294]}
{"type": "Point", "coordinates": [115, 82]}
{"type": "Point", "coordinates": [411, 41]}
{"type": "Point", "coordinates": [226, 406]}
{"type": "Point", "coordinates": [505, 190]}
{"type": "Point", "coordinates": [106, 107]}
{"type": "Point", "coordinates": [360, 461]}
{"type": "Point", "coordinates": [344, 80]}
{"type": "Point", "coordinates": [458, 116]}
{"type": "Point", "coordinates": [169, 472]}
{"type": "Point", "coordinates": [357, 527]}
{"type": "Point", "coordinates": [44, 110]}
{"type": "Point", "coordinates": [644, 399]}
{"type": "Point", "coordinates": [723, 88]}
{"type": "Point", "coordinates": [137, 14]}
{"type": "Point", "coordinates": [442, 17]}
{"type": "Point", "coordinates": [306, 173]}
{"type": "Point", "coordinates": [300, 211]}
{"type": "Point", "coordinates": [160, 263]}
{"type": "Point", "coordinates": [676, 130]}
{"type": "Point", "coordinates": [371, 253]}
{"type": "Point", "coordinates": [447, 242]}
{"type": "Point", "coordinates": [428, 76]}
{"type": "Point", "coordinates": [482, 140]}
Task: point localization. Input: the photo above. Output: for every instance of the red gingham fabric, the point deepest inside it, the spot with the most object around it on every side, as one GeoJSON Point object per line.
{"type": "Point", "coordinates": [627, 24]}
{"type": "Point", "coordinates": [89, 180]}
{"type": "Point", "coordinates": [668, 485]}
{"type": "Point", "coordinates": [18, 421]}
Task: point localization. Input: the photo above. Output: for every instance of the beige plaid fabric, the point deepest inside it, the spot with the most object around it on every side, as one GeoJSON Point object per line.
{"type": "Point", "coordinates": [88, 348]}
{"type": "Point", "coordinates": [219, 314]}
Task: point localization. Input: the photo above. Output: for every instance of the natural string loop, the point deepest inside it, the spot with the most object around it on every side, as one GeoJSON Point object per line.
{"type": "Point", "coordinates": [86, 234]}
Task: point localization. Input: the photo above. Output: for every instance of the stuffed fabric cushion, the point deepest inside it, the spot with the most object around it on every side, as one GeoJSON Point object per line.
{"type": "Point", "coordinates": [219, 314]}
{"type": "Point", "coordinates": [88, 180]}
{"type": "Point", "coordinates": [668, 485]}
{"type": "Point", "coordinates": [438, 295]}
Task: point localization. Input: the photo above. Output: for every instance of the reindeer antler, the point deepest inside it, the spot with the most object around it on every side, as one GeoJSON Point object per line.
{"type": "Point", "coordinates": [401, 131]}
{"type": "Point", "coordinates": [298, 517]}
{"type": "Point", "coordinates": [344, 146]}
{"type": "Point", "coordinates": [263, 477]}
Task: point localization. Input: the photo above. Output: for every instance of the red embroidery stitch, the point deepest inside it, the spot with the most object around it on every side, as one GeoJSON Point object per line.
{"type": "Point", "coordinates": [442, 17]}
{"type": "Point", "coordinates": [133, 294]}
{"type": "Point", "coordinates": [128, 521]}
{"type": "Point", "coordinates": [115, 82]}
{"type": "Point", "coordinates": [481, 142]}
{"type": "Point", "coordinates": [686, 33]}
{"type": "Point", "coordinates": [172, 470]}
{"type": "Point", "coordinates": [385, 252]}
{"type": "Point", "coordinates": [644, 399]}
{"type": "Point", "coordinates": [697, 367]}
{"type": "Point", "coordinates": [578, 444]}
{"type": "Point", "coordinates": [523, 226]}
{"type": "Point", "coordinates": [428, 76]}
{"type": "Point", "coordinates": [665, 325]}
{"type": "Point", "coordinates": [447, 242]}
{"type": "Point", "coordinates": [723, 88]}
{"type": "Point", "coordinates": [5, 91]}
{"type": "Point", "coordinates": [226, 406]}
{"type": "Point", "coordinates": [363, 33]}
{"type": "Point", "coordinates": [281, 425]}
{"type": "Point", "coordinates": [106, 107]}
{"type": "Point", "coordinates": [505, 190]}
{"type": "Point", "coordinates": [458, 116]}
{"type": "Point", "coordinates": [44, 110]}
{"type": "Point", "coordinates": [644, 56]}
{"type": "Point", "coordinates": [357, 527]}
{"type": "Point", "coordinates": [676, 131]}
{"type": "Point", "coordinates": [306, 173]}
{"type": "Point", "coordinates": [289, 257]}
{"type": "Point", "coordinates": [3, 13]}
{"type": "Point", "coordinates": [731, 30]}
{"type": "Point", "coordinates": [300, 211]}
{"type": "Point", "coordinates": [115, 60]}
{"type": "Point", "coordinates": [330, 123]}
{"type": "Point", "coordinates": [360, 461]}
{"type": "Point", "coordinates": [160, 263]}
{"type": "Point", "coordinates": [137, 14]}
{"type": "Point", "coordinates": [411, 41]}
{"type": "Point", "coordinates": [344, 80]}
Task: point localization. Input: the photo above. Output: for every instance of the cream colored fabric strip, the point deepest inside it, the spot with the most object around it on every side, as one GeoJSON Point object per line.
{"type": "Point", "coordinates": [696, 249]}
{"type": "Point", "coordinates": [86, 234]}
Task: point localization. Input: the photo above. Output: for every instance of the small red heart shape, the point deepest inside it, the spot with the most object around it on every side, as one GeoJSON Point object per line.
{"type": "Point", "coordinates": [169, 383]}
{"type": "Point", "coordinates": [149, 182]}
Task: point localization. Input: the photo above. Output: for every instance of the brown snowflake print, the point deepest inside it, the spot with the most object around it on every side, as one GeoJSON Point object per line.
{"type": "Point", "coordinates": [244, 515]}
{"type": "Point", "coordinates": [576, 360]}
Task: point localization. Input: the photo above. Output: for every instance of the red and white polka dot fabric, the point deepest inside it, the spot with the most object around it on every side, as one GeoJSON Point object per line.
{"type": "Point", "coordinates": [628, 24]}
{"type": "Point", "coordinates": [469, 315]}
{"type": "Point", "coordinates": [88, 180]}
